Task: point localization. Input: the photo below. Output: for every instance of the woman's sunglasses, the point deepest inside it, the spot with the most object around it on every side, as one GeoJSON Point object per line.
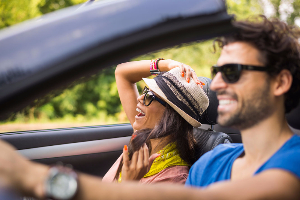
{"type": "Point", "coordinates": [231, 72]}
{"type": "Point", "coordinates": [149, 97]}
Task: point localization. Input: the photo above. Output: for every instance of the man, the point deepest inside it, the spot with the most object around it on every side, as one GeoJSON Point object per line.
{"type": "Point", "coordinates": [257, 81]}
{"type": "Point", "coordinates": [255, 102]}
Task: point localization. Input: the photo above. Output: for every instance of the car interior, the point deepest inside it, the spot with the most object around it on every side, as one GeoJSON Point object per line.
{"type": "Point", "coordinates": [43, 55]}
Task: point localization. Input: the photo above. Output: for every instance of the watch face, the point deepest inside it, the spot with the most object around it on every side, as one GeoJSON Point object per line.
{"type": "Point", "coordinates": [62, 185]}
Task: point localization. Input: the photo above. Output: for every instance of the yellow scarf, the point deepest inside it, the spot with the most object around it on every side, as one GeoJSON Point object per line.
{"type": "Point", "coordinates": [169, 156]}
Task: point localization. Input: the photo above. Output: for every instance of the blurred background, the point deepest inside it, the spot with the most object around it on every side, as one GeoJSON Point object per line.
{"type": "Point", "coordinates": [95, 101]}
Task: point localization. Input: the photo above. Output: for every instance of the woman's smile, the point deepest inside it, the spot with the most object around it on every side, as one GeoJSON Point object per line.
{"type": "Point", "coordinates": [141, 113]}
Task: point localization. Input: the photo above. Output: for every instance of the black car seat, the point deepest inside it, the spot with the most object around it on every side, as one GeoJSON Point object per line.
{"type": "Point", "coordinates": [293, 119]}
{"type": "Point", "coordinates": [207, 139]}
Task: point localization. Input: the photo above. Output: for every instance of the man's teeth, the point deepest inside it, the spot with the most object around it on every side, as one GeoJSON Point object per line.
{"type": "Point", "coordinates": [140, 111]}
{"type": "Point", "coordinates": [226, 102]}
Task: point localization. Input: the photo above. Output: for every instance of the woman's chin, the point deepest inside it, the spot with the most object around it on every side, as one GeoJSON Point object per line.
{"type": "Point", "coordinates": [136, 126]}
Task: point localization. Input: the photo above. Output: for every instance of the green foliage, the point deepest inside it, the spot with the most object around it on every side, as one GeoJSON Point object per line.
{"type": "Point", "coordinates": [92, 99]}
{"type": "Point", "coordinates": [295, 8]}
{"type": "Point", "coordinates": [46, 6]}
{"type": "Point", "coordinates": [199, 55]}
{"type": "Point", "coordinates": [276, 4]}
{"type": "Point", "coordinates": [296, 12]}
{"type": "Point", "coordinates": [14, 11]}
{"type": "Point", "coordinates": [243, 9]}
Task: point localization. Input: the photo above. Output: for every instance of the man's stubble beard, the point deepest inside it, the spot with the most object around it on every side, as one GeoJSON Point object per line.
{"type": "Point", "coordinates": [253, 110]}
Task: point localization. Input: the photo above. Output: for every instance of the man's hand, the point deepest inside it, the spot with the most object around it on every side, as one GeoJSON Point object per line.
{"type": "Point", "coordinates": [139, 165]}
{"type": "Point", "coordinates": [21, 174]}
{"type": "Point", "coordinates": [12, 165]}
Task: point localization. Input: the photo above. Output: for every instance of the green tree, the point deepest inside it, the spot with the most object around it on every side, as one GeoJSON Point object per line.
{"type": "Point", "coordinates": [243, 9]}
{"type": "Point", "coordinates": [294, 9]}
{"type": "Point", "coordinates": [46, 6]}
{"type": "Point", "coordinates": [98, 96]}
{"type": "Point", "coordinates": [14, 11]}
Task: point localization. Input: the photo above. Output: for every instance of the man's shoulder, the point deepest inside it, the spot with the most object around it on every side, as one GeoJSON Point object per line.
{"type": "Point", "coordinates": [219, 152]}
{"type": "Point", "coordinates": [227, 147]}
{"type": "Point", "coordinates": [295, 140]}
{"type": "Point", "coordinates": [292, 146]}
{"type": "Point", "coordinates": [215, 165]}
{"type": "Point", "coordinates": [286, 158]}
{"type": "Point", "coordinates": [222, 149]}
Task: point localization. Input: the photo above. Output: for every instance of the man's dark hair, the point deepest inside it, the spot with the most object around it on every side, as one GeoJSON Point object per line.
{"type": "Point", "coordinates": [279, 47]}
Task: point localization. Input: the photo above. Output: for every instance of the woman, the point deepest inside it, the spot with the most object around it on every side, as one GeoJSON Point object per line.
{"type": "Point", "coordinates": [162, 117]}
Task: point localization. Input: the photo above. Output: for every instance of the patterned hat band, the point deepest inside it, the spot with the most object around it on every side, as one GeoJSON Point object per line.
{"type": "Point", "coordinates": [179, 97]}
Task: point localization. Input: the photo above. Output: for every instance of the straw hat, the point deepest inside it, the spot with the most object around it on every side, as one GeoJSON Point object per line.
{"type": "Point", "coordinates": [188, 99]}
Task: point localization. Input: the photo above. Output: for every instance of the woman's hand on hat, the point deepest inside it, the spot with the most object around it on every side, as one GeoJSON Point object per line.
{"type": "Point", "coordinates": [139, 165]}
{"type": "Point", "coordinates": [186, 71]}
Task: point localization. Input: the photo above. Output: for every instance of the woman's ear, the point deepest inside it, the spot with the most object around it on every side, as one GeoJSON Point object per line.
{"type": "Point", "coordinates": [283, 82]}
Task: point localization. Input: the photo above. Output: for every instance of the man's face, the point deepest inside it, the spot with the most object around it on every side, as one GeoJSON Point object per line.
{"type": "Point", "coordinates": [248, 101]}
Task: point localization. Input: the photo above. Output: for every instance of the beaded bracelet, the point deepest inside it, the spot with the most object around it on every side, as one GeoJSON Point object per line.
{"type": "Point", "coordinates": [154, 66]}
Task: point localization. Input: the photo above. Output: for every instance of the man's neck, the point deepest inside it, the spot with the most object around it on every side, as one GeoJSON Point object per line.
{"type": "Point", "coordinates": [264, 139]}
{"type": "Point", "coordinates": [260, 143]}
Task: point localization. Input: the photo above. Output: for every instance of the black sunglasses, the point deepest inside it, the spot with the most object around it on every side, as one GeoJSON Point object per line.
{"type": "Point", "coordinates": [231, 72]}
{"type": "Point", "coordinates": [149, 97]}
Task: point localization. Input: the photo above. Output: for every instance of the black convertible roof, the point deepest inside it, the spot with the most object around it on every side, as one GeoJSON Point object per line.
{"type": "Point", "coordinates": [42, 54]}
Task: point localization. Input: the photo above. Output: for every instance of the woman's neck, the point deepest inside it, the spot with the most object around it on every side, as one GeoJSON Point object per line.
{"type": "Point", "coordinates": [159, 143]}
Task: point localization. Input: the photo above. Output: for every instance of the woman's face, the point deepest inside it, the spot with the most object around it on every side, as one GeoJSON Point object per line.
{"type": "Point", "coordinates": [148, 116]}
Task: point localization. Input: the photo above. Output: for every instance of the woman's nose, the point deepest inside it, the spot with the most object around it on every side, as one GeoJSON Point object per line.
{"type": "Point", "coordinates": [218, 82]}
{"type": "Point", "coordinates": [140, 98]}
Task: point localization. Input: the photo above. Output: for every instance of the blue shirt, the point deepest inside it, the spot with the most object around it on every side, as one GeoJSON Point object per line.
{"type": "Point", "coordinates": [216, 165]}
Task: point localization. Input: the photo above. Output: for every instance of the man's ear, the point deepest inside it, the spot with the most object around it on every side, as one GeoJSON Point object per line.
{"type": "Point", "coordinates": [283, 82]}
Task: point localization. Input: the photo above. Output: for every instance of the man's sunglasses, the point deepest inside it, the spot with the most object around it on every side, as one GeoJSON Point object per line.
{"type": "Point", "coordinates": [149, 97]}
{"type": "Point", "coordinates": [231, 72]}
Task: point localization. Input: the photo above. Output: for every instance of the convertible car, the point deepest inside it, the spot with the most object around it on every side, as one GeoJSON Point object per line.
{"type": "Point", "coordinates": [49, 53]}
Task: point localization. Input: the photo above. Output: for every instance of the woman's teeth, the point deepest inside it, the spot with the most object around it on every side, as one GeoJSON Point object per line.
{"type": "Point", "coordinates": [141, 113]}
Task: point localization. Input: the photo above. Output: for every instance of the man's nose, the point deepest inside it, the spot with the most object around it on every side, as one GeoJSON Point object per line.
{"type": "Point", "coordinates": [218, 82]}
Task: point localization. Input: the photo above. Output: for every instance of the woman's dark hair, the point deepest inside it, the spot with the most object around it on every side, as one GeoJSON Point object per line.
{"type": "Point", "coordinates": [173, 125]}
{"type": "Point", "coordinates": [279, 47]}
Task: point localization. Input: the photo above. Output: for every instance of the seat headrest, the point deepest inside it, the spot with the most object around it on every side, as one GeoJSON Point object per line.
{"type": "Point", "coordinates": [293, 117]}
{"type": "Point", "coordinates": [207, 140]}
{"type": "Point", "coordinates": [210, 115]}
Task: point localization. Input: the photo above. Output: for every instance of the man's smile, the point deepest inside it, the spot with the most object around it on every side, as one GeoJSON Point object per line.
{"type": "Point", "coordinates": [227, 104]}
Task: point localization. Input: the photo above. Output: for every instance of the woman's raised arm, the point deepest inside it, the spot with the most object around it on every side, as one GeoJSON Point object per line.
{"type": "Point", "coordinates": [127, 74]}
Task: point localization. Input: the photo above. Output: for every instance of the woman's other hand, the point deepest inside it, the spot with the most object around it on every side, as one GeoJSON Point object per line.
{"type": "Point", "coordinates": [186, 71]}
{"type": "Point", "coordinates": [139, 165]}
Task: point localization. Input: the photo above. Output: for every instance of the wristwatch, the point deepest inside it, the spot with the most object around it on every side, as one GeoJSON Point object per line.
{"type": "Point", "coordinates": [61, 183]}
